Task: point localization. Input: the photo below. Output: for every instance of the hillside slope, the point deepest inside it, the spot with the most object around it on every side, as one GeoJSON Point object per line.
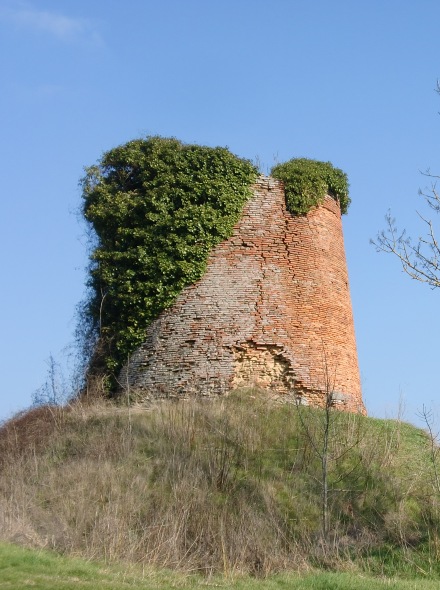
{"type": "Point", "coordinates": [232, 485]}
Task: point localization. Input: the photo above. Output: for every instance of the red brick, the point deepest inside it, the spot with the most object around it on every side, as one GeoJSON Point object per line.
{"type": "Point", "coordinates": [273, 309]}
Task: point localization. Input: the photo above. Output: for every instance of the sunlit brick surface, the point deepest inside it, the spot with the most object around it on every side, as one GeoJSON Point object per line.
{"type": "Point", "coordinates": [273, 309]}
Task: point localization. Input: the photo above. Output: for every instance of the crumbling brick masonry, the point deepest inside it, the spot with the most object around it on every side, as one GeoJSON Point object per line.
{"type": "Point", "coordinates": [273, 309]}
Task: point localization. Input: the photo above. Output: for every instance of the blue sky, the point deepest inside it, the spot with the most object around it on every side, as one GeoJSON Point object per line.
{"type": "Point", "coordinates": [348, 81]}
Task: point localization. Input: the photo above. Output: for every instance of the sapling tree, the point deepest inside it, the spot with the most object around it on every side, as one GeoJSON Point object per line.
{"type": "Point", "coordinates": [322, 429]}
{"type": "Point", "coordinates": [55, 390]}
{"type": "Point", "coordinates": [427, 416]}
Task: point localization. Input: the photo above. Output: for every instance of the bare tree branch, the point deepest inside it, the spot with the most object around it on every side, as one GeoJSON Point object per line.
{"type": "Point", "coordinates": [420, 260]}
{"type": "Point", "coordinates": [427, 416]}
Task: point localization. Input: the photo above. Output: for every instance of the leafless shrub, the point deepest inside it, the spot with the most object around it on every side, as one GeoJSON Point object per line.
{"type": "Point", "coordinates": [29, 431]}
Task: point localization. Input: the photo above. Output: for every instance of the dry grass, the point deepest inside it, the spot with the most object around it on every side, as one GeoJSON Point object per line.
{"type": "Point", "coordinates": [229, 485]}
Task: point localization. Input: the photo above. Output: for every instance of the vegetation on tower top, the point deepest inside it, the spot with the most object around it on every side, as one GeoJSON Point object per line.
{"type": "Point", "coordinates": [306, 182]}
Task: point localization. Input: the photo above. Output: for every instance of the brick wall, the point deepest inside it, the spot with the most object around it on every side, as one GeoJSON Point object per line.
{"type": "Point", "coordinates": [273, 309]}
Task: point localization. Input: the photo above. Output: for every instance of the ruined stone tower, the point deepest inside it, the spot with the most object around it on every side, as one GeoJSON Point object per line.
{"type": "Point", "coordinates": [273, 309]}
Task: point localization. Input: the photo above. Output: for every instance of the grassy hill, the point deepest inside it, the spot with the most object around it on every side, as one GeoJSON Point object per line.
{"type": "Point", "coordinates": [232, 486]}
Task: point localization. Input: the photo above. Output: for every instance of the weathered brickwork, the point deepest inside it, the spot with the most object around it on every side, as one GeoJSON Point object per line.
{"type": "Point", "coordinates": [273, 309]}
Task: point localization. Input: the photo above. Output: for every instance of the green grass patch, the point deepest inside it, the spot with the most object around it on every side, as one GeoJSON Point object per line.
{"type": "Point", "coordinates": [22, 568]}
{"type": "Point", "coordinates": [27, 568]}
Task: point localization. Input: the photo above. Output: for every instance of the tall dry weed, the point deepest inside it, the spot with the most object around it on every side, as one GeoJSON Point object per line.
{"type": "Point", "coordinates": [226, 485]}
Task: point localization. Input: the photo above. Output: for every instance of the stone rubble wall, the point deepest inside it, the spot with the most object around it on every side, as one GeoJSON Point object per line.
{"type": "Point", "coordinates": [272, 310]}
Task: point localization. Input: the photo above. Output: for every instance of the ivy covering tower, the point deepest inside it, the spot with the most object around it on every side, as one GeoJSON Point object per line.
{"type": "Point", "coordinates": [205, 276]}
{"type": "Point", "coordinates": [157, 207]}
